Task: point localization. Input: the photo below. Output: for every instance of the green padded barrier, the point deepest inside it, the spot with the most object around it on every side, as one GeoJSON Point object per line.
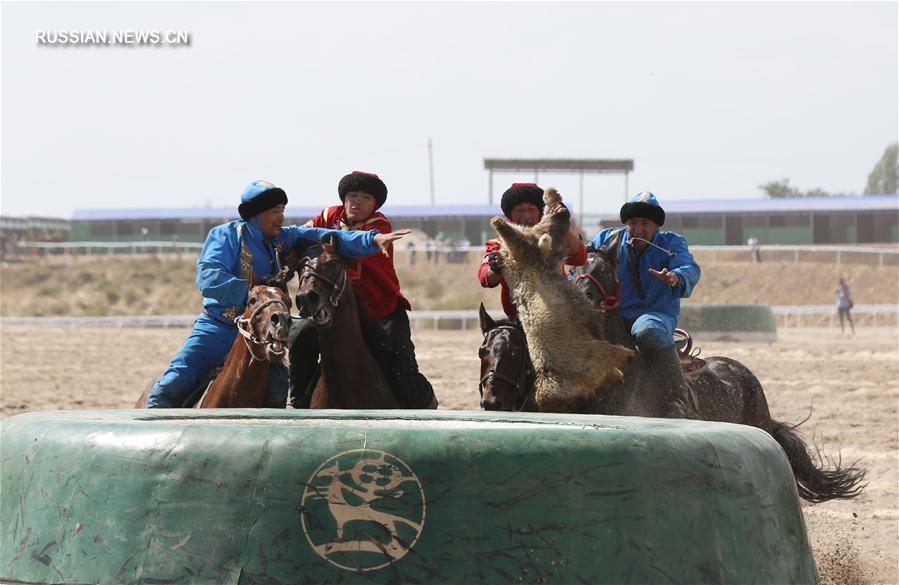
{"type": "Point", "coordinates": [729, 322]}
{"type": "Point", "coordinates": [274, 496]}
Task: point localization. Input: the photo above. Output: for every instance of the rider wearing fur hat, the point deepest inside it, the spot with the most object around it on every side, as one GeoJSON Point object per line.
{"type": "Point", "coordinates": [374, 279]}
{"type": "Point", "coordinates": [522, 203]}
{"type": "Point", "coordinates": [656, 270]}
{"type": "Point", "coordinates": [234, 254]}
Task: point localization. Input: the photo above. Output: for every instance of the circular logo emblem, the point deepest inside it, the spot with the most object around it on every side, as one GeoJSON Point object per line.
{"type": "Point", "coordinates": [363, 509]}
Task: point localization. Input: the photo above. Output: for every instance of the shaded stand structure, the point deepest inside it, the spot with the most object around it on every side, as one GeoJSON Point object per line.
{"type": "Point", "coordinates": [560, 165]}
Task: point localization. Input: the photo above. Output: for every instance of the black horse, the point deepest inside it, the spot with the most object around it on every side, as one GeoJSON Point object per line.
{"type": "Point", "coordinates": [722, 389]}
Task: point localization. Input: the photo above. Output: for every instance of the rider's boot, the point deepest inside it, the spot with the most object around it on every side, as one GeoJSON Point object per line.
{"type": "Point", "coordinates": [664, 365]}
{"type": "Point", "coordinates": [398, 363]}
{"type": "Point", "coordinates": [409, 385]}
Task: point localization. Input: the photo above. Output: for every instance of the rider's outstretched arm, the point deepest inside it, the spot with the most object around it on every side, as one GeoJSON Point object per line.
{"type": "Point", "coordinates": [351, 244]}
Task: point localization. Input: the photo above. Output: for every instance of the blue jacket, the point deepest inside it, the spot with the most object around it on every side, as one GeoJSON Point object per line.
{"type": "Point", "coordinates": [657, 296]}
{"type": "Point", "coordinates": [232, 250]}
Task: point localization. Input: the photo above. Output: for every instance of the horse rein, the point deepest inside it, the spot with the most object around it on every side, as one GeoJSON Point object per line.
{"type": "Point", "coordinates": [609, 302]}
{"type": "Point", "coordinates": [631, 241]}
{"type": "Point", "coordinates": [517, 384]}
{"type": "Point", "coordinates": [246, 326]}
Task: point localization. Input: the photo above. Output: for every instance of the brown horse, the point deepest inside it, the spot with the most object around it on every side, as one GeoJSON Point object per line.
{"type": "Point", "coordinates": [350, 373]}
{"type": "Point", "coordinates": [723, 390]}
{"type": "Point", "coordinates": [262, 340]}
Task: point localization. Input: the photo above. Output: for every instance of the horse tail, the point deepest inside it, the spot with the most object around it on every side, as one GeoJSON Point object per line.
{"type": "Point", "coordinates": [816, 479]}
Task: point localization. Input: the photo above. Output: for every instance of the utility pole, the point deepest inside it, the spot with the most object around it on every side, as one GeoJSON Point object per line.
{"type": "Point", "coordinates": [580, 203]}
{"type": "Point", "coordinates": [431, 169]}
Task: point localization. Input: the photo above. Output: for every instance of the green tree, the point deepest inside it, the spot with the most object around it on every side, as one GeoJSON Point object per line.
{"type": "Point", "coordinates": [885, 176]}
{"type": "Point", "coordinates": [783, 188]}
{"type": "Point", "coordinates": [780, 188]}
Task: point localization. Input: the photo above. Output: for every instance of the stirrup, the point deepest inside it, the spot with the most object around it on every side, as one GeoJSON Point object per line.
{"type": "Point", "coordinates": [683, 341]}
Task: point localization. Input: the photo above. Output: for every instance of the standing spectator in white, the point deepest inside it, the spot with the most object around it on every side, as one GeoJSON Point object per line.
{"type": "Point", "coordinates": [754, 249]}
{"type": "Point", "coordinates": [844, 304]}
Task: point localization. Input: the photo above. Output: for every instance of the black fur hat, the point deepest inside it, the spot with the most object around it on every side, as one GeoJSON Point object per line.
{"type": "Point", "coordinates": [521, 193]}
{"type": "Point", "coordinates": [258, 197]}
{"type": "Point", "coordinates": [645, 205]}
{"type": "Point", "coordinates": [366, 182]}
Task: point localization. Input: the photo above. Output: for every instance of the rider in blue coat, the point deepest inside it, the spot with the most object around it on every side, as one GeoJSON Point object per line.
{"type": "Point", "coordinates": [234, 252]}
{"type": "Point", "coordinates": [656, 270]}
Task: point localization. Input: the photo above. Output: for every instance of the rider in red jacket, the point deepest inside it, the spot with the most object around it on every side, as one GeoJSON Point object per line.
{"type": "Point", "coordinates": [522, 203]}
{"type": "Point", "coordinates": [374, 279]}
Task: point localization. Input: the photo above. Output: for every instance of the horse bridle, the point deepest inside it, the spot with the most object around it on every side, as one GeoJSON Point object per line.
{"type": "Point", "coordinates": [517, 384]}
{"type": "Point", "coordinates": [608, 302]}
{"type": "Point", "coordinates": [246, 325]}
{"type": "Point", "coordinates": [336, 292]}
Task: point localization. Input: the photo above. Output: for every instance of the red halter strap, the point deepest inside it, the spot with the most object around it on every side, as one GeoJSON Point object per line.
{"type": "Point", "coordinates": [609, 302]}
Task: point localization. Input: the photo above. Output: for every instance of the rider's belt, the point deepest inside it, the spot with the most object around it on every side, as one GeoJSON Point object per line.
{"type": "Point", "coordinates": [226, 318]}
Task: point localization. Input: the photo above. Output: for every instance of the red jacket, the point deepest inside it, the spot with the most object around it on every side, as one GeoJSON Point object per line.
{"type": "Point", "coordinates": [374, 276]}
{"type": "Point", "coordinates": [578, 259]}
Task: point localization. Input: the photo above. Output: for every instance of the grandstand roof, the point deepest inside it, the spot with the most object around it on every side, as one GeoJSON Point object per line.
{"type": "Point", "coordinates": [784, 204]}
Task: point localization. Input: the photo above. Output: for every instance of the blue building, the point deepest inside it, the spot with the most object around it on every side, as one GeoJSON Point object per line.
{"type": "Point", "coordinates": [794, 220]}
{"type": "Point", "coordinates": [797, 220]}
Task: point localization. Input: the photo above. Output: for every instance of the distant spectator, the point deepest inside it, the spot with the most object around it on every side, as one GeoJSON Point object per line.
{"type": "Point", "coordinates": [411, 248]}
{"type": "Point", "coordinates": [463, 245]}
{"type": "Point", "coordinates": [754, 249]}
{"type": "Point", "coordinates": [844, 304]}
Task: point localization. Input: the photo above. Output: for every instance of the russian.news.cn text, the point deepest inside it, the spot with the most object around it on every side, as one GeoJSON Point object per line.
{"type": "Point", "coordinates": [116, 38]}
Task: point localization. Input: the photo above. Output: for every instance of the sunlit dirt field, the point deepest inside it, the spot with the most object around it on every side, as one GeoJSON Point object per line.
{"type": "Point", "coordinates": [850, 384]}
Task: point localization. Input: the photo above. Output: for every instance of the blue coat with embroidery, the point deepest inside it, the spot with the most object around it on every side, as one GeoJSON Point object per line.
{"type": "Point", "coordinates": [657, 296]}
{"type": "Point", "coordinates": [223, 281]}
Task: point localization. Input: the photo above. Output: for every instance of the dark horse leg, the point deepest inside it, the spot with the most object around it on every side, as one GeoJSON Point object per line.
{"type": "Point", "coordinates": [727, 391]}
{"type": "Point", "coordinates": [304, 367]}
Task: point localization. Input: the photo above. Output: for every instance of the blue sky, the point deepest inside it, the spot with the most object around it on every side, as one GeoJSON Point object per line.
{"type": "Point", "coordinates": [710, 99]}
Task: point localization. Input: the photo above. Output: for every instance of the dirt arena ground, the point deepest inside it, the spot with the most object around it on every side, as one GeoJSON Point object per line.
{"type": "Point", "coordinates": [850, 383]}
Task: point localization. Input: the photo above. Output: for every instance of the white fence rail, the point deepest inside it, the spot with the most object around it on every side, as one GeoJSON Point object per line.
{"type": "Point", "coordinates": [89, 248]}
{"type": "Point", "coordinates": [826, 315]}
{"type": "Point", "coordinates": [822, 254]}
{"type": "Point", "coordinates": [786, 315]}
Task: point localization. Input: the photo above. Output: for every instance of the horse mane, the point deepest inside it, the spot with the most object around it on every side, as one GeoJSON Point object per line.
{"type": "Point", "coordinates": [274, 280]}
{"type": "Point", "coordinates": [507, 322]}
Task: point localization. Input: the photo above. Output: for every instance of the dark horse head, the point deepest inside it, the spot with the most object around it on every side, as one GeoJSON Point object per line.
{"type": "Point", "coordinates": [323, 281]}
{"type": "Point", "coordinates": [599, 280]}
{"type": "Point", "coordinates": [507, 375]}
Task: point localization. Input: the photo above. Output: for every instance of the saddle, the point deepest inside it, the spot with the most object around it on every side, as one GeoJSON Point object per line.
{"type": "Point", "coordinates": [690, 361]}
{"type": "Point", "coordinates": [195, 396]}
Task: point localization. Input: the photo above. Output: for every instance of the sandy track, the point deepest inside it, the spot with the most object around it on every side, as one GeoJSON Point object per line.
{"type": "Point", "coordinates": [850, 383]}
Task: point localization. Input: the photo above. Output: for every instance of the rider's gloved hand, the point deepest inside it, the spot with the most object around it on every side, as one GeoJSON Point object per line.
{"type": "Point", "coordinates": [495, 263]}
{"type": "Point", "coordinates": [558, 208]}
